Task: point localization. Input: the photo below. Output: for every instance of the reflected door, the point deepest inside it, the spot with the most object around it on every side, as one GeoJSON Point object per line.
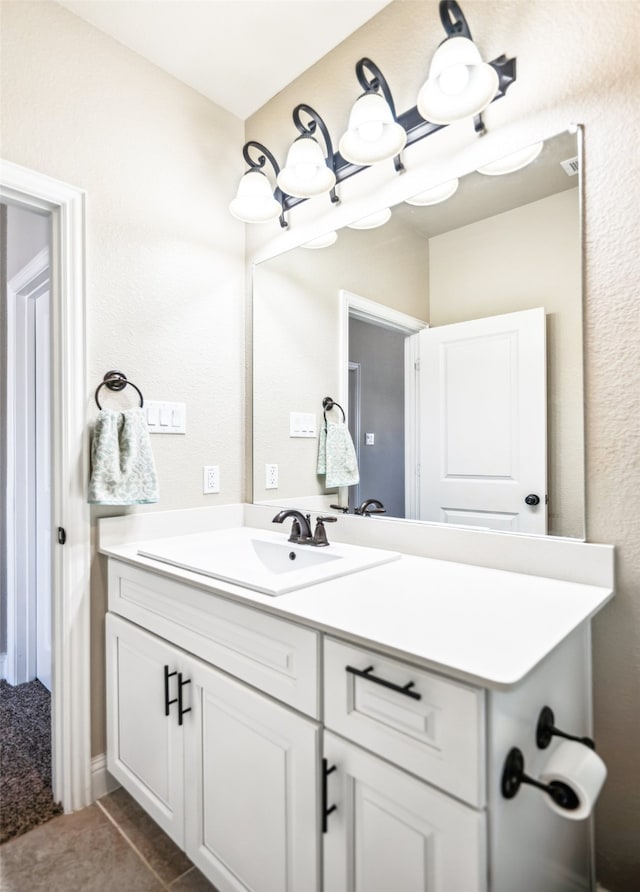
{"type": "Point", "coordinates": [483, 424]}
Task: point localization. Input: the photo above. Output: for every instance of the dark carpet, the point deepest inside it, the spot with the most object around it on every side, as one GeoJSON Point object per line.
{"type": "Point", "coordinates": [26, 799]}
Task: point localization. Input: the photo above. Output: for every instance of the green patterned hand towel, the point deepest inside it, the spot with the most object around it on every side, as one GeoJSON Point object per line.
{"type": "Point", "coordinates": [122, 467]}
{"type": "Point", "coordinates": [337, 456]}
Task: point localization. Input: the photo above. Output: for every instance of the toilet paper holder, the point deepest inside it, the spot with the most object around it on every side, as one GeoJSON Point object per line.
{"type": "Point", "coordinates": [546, 729]}
{"type": "Point", "coordinates": [513, 773]}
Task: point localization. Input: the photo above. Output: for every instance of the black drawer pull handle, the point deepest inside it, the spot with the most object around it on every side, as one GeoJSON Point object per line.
{"type": "Point", "coordinates": [326, 811]}
{"type": "Point", "coordinates": [401, 689]}
{"type": "Point", "coordinates": [181, 684]}
{"type": "Point", "coordinates": [167, 701]}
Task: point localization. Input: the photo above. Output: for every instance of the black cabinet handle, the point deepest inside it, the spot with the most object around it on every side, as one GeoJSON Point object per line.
{"type": "Point", "coordinates": [401, 689]}
{"type": "Point", "coordinates": [181, 684]}
{"type": "Point", "coordinates": [167, 701]}
{"type": "Point", "coordinates": [326, 811]}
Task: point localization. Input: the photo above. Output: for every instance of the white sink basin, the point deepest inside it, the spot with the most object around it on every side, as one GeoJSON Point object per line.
{"type": "Point", "coordinates": [262, 560]}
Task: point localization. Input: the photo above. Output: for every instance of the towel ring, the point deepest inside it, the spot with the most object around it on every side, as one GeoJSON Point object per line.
{"type": "Point", "coordinates": [116, 381]}
{"type": "Point", "coordinates": [329, 403]}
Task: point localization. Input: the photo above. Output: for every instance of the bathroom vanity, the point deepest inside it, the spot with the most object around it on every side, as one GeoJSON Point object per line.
{"type": "Point", "coordinates": [350, 734]}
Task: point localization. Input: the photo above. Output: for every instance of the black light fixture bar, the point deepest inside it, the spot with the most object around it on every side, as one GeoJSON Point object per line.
{"type": "Point", "coordinates": [416, 127]}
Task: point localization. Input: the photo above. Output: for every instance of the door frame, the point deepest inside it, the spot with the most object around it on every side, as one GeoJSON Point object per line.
{"type": "Point", "coordinates": [357, 307]}
{"type": "Point", "coordinates": [71, 700]}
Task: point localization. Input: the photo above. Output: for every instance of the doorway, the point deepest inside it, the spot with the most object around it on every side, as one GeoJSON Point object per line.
{"type": "Point", "coordinates": [69, 448]}
{"type": "Point", "coordinates": [372, 330]}
{"type": "Point", "coordinates": [27, 586]}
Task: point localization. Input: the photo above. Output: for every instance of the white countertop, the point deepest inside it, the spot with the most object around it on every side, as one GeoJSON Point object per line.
{"type": "Point", "coordinates": [479, 624]}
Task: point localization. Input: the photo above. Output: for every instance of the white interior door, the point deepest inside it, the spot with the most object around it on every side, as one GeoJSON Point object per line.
{"type": "Point", "coordinates": [483, 428]}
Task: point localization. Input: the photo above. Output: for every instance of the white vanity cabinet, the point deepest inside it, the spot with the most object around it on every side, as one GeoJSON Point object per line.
{"type": "Point", "coordinates": [309, 762]}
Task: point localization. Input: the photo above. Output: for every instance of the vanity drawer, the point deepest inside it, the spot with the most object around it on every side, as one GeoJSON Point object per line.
{"type": "Point", "coordinates": [274, 655]}
{"type": "Point", "coordinates": [429, 725]}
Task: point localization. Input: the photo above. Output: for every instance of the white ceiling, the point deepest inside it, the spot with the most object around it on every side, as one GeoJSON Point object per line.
{"type": "Point", "coordinates": [239, 53]}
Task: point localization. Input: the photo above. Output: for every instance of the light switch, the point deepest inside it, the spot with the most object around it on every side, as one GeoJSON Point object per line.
{"type": "Point", "coordinates": [165, 418]}
{"type": "Point", "coordinates": [152, 414]}
{"type": "Point", "coordinates": [369, 439]}
{"type": "Point", "coordinates": [302, 424]}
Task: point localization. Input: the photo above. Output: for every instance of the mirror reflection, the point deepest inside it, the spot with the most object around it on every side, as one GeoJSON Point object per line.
{"type": "Point", "coordinates": [451, 336]}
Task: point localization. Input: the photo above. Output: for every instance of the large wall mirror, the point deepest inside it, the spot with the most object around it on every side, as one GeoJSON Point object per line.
{"type": "Point", "coordinates": [452, 337]}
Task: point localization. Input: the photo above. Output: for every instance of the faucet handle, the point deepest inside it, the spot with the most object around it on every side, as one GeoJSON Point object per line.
{"type": "Point", "coordinates": [320, 534]}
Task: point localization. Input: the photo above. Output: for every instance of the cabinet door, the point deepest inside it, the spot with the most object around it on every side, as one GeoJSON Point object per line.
{"type": "Point", "coordinates": [252, 770]}
{"type": "Point", "coordinates": [144, 745]}
{"type": "Point", "coordinates": [391, 831]}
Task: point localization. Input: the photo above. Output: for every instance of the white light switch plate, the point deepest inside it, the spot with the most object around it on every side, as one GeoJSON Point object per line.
{"type": "Point", "coordinates": [302, 424]}
{"type": "Point", "coordinates": [165, 418]}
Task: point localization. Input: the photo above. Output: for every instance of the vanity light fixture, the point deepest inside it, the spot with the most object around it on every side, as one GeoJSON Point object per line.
{"type": "Point", "coordinates": [373, 133]}
{"type": "Point", "coordinates": [514, 161]}
{"type": "Point", "coordinates": [322, 241]}
{"type": "Point", "coordinates": [460, 85]}
{"type": "Point", "coordinates": [434, 195]}
{"type": "Point", "coordinates": [372, 221]}
{"type": "Point", "coordinates": [308, 171]}
{"type": "Point", "coordinates": [256, 201]}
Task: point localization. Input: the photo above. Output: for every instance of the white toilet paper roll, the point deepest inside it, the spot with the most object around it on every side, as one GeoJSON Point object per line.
{"type": "Point", "coordinates": [582, 770]}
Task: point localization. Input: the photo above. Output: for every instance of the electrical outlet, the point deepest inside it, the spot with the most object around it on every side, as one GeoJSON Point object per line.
{"type": "Point", "coordinates": [210, 479]}
{"type": "Point", "coordinates": [271, 477]}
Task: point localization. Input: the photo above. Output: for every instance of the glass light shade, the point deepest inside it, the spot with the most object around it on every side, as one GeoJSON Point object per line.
{"type": "Point", "coordinates": [254, 201]}
{"type": "Point", "coordinates": [379, 218]}
{"type": "Point", "coordinates": [434, 195]}
{"type": "Point", "coordinates": [460, 84]}
{"type": "Point", "coordinates": [373, 135]}
{"type": "Point", "coordinates": [514, 161]}
{"type": "Point", "coordinates": [306, 173]}
{"type": "Point", "coordinates": [322, 241]}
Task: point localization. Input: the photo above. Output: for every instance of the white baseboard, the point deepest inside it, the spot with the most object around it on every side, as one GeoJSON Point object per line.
{"type": "Point", "coordinates": [3, 662]}
{"type": "Point", "coordinates": [101, 781]}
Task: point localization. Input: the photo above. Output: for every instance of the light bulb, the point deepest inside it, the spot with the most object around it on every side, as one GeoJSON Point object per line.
{"type": "Point", "coordinates": [454, 79]}
{"type": "Point", "coordinates": [305, 170]}
{"type": "Point", "coordinates": [370, 131]}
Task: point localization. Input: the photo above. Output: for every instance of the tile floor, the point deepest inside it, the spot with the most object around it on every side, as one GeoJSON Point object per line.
{"type": "Point", "coordinates": [112, 846]}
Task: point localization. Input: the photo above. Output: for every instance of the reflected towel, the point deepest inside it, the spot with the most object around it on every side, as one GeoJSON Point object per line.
{"type": "Point", "coordinates": [337, 456]}
{"type": "Point", "coordinates": [122, 467]}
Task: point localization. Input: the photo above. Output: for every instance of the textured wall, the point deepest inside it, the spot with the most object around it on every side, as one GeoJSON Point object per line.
{"type": "Point", "coordinates": [577, 61]}
{"type": "Point", "coordinates": [165, 271]}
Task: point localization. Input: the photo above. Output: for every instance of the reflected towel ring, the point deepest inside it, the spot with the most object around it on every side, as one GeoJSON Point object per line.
{"type": "Point", "coordinates": [329, 403]}
{"type": "Point", "coordinates": [116, 381]}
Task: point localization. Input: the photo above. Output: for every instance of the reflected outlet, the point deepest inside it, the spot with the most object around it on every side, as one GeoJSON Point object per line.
{"type": "Point", "coordinates": [271, 477]}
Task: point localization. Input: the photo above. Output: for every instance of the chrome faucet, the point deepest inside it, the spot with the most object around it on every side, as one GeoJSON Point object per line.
{"type": "Point", "coordinates": [300, 528]}
{"type": "Point", "coordinates": [369, 507]}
